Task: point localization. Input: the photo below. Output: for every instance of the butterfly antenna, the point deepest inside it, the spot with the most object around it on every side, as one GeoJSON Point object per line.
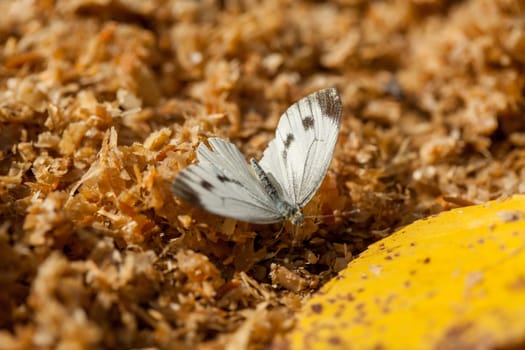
{"type": "Point", "coordinates": [344, 213]}
{"type": "Point", "coordinates": [279, 233]}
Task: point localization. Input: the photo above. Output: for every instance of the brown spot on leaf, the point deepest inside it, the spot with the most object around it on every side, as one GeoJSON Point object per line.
{"type": "Point", "coordinates": [510, 215]}
{"type": "Point", "coordinates": [317, 308]}
{"type": "Point", "coordinates": [456, 337]}
{"type": "Point", "coordinates": [334, 340]}
{"type": "Point", "coordinates": [518, 283]}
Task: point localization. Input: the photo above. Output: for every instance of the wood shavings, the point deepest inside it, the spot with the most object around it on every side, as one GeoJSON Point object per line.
{"type": "Point", "coordinates": [103, 102]}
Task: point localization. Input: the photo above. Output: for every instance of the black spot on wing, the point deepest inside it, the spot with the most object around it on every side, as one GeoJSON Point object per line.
{"type": "Point", "coordinates": [181, 189]}
{"type": "Point", "coordinates": [224, 179]}
{"type": "Point", "coordinates": [308, 123]}
{"type": "Point", "coordinates": [330, 103]}
{"type": "Point", "coordinates": [206, 185]}
{"type": "Point", "coordinates": [288, 141]}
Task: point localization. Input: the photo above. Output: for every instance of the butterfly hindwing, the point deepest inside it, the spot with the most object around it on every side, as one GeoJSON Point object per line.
{"type": "Point", "coordinates": [222, 183]}
{"type": "Point", "coordinates": [301, 152]}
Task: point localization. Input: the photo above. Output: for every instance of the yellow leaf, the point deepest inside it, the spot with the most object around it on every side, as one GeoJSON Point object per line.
{"type": "Point", "coordinates": [456, 280]}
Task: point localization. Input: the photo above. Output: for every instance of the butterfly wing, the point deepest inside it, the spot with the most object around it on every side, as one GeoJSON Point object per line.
{"type": "Point", "coordinates": [299, 155]}
{"type": "Point", "coordinates": [223, 184]}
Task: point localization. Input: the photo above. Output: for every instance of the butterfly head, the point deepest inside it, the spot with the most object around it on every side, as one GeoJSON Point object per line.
{"type": "Point", "coordinates": [297, 218]}
{"type": "Point", "coordinates": [294, 215]}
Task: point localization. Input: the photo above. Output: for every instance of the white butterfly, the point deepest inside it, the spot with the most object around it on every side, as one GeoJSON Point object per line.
{"type": "Point", "coordinates": [278, 186]}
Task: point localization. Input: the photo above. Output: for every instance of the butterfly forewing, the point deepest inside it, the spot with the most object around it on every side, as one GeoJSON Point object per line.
{"type": "Point", "coordinates": [301, 152]}
{"type": "Point", "coordinates": [223, 184]}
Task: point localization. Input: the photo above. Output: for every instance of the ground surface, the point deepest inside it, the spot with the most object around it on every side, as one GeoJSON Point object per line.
{"type": "Point", "coordinates": [103, 102]}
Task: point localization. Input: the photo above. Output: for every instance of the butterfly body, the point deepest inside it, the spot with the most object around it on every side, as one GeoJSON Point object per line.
{"type": "Point", "coordinates": [278, 186]}
{"type": "Point", "coordinates": [288, 211]}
